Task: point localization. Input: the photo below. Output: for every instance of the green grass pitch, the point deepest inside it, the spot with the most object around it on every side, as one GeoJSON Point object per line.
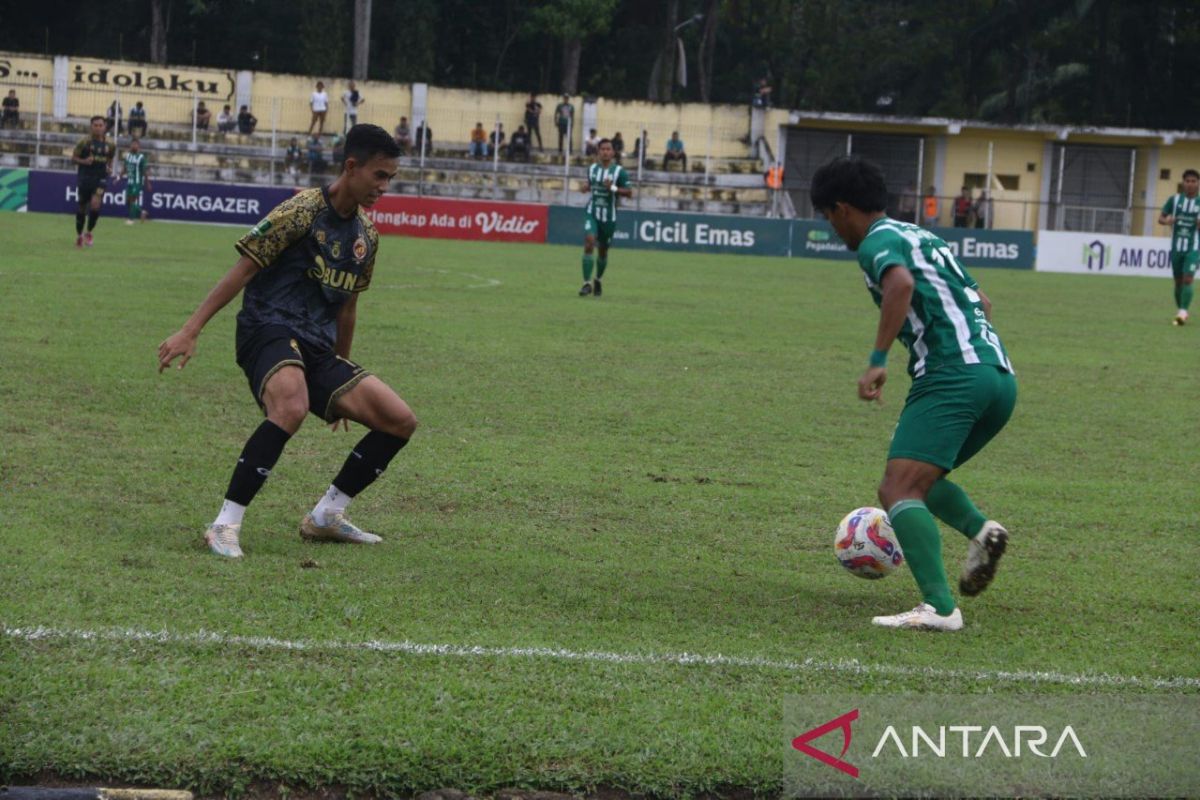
{"type": "Point", "coordinates": [655, 472]}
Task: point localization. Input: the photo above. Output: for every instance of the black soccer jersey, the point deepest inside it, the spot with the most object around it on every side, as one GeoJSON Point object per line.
{"type": "Point", "coordinates": [311, 261]}
{"type": "Point", "coordinates": [101, 150]}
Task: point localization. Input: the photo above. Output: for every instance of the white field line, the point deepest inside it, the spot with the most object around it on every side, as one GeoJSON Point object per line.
{"type": "Point", "coordinates": [212, 638]}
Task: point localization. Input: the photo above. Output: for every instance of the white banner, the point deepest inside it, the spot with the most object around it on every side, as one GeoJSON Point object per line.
{"type": "Point", "coordinates": [1103, 254]}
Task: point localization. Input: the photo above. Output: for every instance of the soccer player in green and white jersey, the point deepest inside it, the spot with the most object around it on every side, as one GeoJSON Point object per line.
{"type": "Point", "coordinates": [963, 390]}
{"type": "Point", "coordinates": [607, 180]}
{"type": "Point", "coordinates": [137, 177]}
{"type": "Point", "coordinates": [1180, 212]}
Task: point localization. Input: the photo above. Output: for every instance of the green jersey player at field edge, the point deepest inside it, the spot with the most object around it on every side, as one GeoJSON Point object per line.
{"type": "Point", "coordinates": [963, 389]}
{"type": "Point", "coordinates": [137, 177]}
{"type": "Point", "coordinates": [1180, 212]}
{"type": "Point", "coordinates": [94, 157]}
{"type": "Point", "coordinates": [303, 269]}
{"type": "Point", "coordinates": [607, 180]}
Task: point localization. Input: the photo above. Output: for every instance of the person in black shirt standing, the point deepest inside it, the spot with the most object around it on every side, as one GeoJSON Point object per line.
{"type": "Point", "coordinates": [94, 156]}
{"type": "Point", "coordinates": [303, 269]}
{"type": "Point", "coordinates": [533, 115]}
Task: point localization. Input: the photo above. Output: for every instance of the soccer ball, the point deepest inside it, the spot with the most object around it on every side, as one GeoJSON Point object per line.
{"type": "Point", "coordinates": [866, 545]}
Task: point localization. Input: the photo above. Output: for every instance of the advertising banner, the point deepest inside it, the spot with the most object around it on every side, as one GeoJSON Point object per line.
{"type": "Point", "coordinates": [1103, 254]}
{"type": "Point", "coordinates": [14, 189]}
{"type": "Point", "coordinates": [435, 218]}
{"type": "Point", "coordinates": [974, 247]}
{"type": "Point", "coordinates": [688, 232]}
{"type": "Point", "coordinates": [235, 204]}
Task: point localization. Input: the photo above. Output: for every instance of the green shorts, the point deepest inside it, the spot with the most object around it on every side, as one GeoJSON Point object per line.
{"type": "Point", "coordinates": [133, 190]}
{"type": "Point", "coordinates": [603, 231]}
{"type": "Point", "coordinates": [1184, 262]}
{"type": "Point", "coordinates": [951, 413]}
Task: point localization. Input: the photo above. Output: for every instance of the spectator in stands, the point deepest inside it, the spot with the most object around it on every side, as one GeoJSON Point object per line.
{"type": "Point", "coordinates": [338, 146]}
{"type": "Point", "coordinates": [12, 111]}
{"type": "Point", "coordinates": [351, 99]}
{"type": "Point", "coordinates": [246, 122]}
{"type": "Point", "coordinates": [203, 116]}
{"type": "Point", "coordinates": [403, 136]}
{"type": "Point", "coordinates": [496, 140]}
{"type": "Point", "coordinates": [564, 119]}
{"type": "Point", "coordinates": [424, 138]}
{"type": "Point", "coordinates": [292, 159]}
{"type": "Point", "coordinates": [675, 152]}
{"type": "Point", "coordinates": [226, 121]}
{"type": "Point", "coordinates": [519, 146]}
{"type": "Point", "coordinates": [112, 119]}
{"type": "Point", "coordinates": [591, 145]}
{"type": "Point", "coordinates": [618, 143]}
{"type": "Point", "coordinates": [930, 213]}
{"type": "Point", "coordinates": [762, 94]}
{"type": "Point", "coordinates": [962, 208]}
{"type": "Point", "coordinates": [533, 116]}
{"type": "Point", "coordinates": [319, 103]}
{"type": "Point", "coordinates": [639, 148]}
{"type": "Point", "coordinates": [982, 209]}
{"type": "Point", "coordinates": [478, 145]}
{"type": "Point", "coordinates": [137, 120]}
{"type": "Point", "coordinates": [316, 155]}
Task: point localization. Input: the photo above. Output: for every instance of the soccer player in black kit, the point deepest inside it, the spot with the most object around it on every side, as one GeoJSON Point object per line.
{"type": "Point", "coordinates": [94, 155]}
{"type": "Point", "coordinates": [303, 268]}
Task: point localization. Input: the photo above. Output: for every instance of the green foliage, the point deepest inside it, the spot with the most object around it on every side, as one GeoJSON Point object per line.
{"type": "Point", "coordinates": [1059, 61]}
{"type": "Point", "coordinates": [656, 471]}
{"type": "Point", "coordinates": [572, 19]}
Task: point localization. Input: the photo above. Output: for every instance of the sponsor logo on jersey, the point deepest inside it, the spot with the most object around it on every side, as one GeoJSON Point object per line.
{"type": "Point", "coordinates": [260, 230]}
{"type": "Point", "coordinates": [360, 248]}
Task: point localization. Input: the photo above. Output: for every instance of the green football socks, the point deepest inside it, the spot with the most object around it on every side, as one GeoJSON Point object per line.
{"type": "Point", "coordinates": [1186, 291]}
{"type": "Point", "coordinates": [949, 503]}
{"type": "Point", "coordinates": [1178, 295]}
{"type": "Point", "coordinates": [922, 546]}
{"type": "Point", "coordinates": [601, 265]}
{"type": "Point", "coordinates": [135, 211]}
{"type": "Point", "coordinates": [587, 267]}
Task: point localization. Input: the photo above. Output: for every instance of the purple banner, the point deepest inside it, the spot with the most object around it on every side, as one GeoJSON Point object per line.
{"type": "Point", "coordinates": [56, 192]}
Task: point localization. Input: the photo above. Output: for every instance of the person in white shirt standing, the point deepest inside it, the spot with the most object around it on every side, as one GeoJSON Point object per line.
{"type": "Point", "coordinates": [320, 104]}
{"type": "Point", "coordinates": [351, 99]}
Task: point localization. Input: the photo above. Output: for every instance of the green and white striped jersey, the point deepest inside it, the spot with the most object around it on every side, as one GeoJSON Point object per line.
{"type": "Point", "coordinates": [603, 203]}
{"type": "Point", "coordinates": [135, 167]}
{"type": "Point", "coordinates": [946, 324]}
{"type": "Point", "coordinates": [1185, 210]}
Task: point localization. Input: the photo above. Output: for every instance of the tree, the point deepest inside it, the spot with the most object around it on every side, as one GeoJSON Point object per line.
{"type": "Point", "coordinates": [571, 21]}
{"type": "Point", "coordinates": [160, 25]}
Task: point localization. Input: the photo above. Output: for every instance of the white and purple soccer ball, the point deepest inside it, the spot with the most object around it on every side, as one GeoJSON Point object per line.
{"type": "Point", "coordinates": [866, 545]}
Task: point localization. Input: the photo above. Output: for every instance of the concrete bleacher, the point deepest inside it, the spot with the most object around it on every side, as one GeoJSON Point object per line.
{"type": "Point", "coordinates": [734, 185]}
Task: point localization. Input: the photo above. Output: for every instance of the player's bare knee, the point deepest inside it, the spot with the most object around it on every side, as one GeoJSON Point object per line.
{"type": "Point", "coordinates": [404, 424]}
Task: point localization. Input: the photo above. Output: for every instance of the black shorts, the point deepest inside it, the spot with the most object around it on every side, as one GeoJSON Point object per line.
{"type": "Point", "coordinates": [264, 351]}
{"type": "Point", "coordinates": [90, 185]}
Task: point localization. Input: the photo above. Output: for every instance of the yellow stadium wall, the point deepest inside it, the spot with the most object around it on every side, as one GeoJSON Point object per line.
{"type": "Point", "coordinates": [1012, 152]}
{"type": "Point", "coordinates": [1176, 158]}
{"type": "Point", "coordinates": [23, 73]}
{"type": "Point", "coordinates": [167, 91]}
{"type": "Point", "coordinates": [723, 128]}
{"type": "Point", "coordinates": [288, 96]}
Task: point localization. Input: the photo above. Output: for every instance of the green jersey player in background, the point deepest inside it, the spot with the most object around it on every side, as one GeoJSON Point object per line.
{"type": "Point", "coordinates": [606, 181]}
{"type": "Point", "coordinates": [963, 390]}
{"type": "Point", "coordinates": [1180, 212]}
{"type": "Point", "coordinates": [93, 156]}
{"type": "Point", "coordinates": [137, 177]}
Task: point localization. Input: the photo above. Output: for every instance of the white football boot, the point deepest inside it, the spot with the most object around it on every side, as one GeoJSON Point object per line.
{"type": "Point", "coordinates": [338, 529]}
{"type": "Point", "coordinates": [223, 540]}
{"type": "Point", "coordinates": [922, 618]}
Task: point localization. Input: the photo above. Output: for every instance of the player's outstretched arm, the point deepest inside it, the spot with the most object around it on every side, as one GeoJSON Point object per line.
{"type": "Point", "coordinates": [986, 302]}
{"type": "Point", "coordinates": [183, 342]}
{"type": "Point", "coordinates": [897, 285]}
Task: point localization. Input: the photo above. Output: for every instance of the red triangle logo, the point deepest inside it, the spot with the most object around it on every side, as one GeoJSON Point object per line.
{"type": "Point", "coordinates": [801, 742]}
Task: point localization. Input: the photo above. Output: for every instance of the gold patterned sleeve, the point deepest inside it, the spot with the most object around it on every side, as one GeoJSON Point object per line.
{"type": "Point", "coordinates": [364, 280]}
{"type": "Point", "coordinates": [287, 224]}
